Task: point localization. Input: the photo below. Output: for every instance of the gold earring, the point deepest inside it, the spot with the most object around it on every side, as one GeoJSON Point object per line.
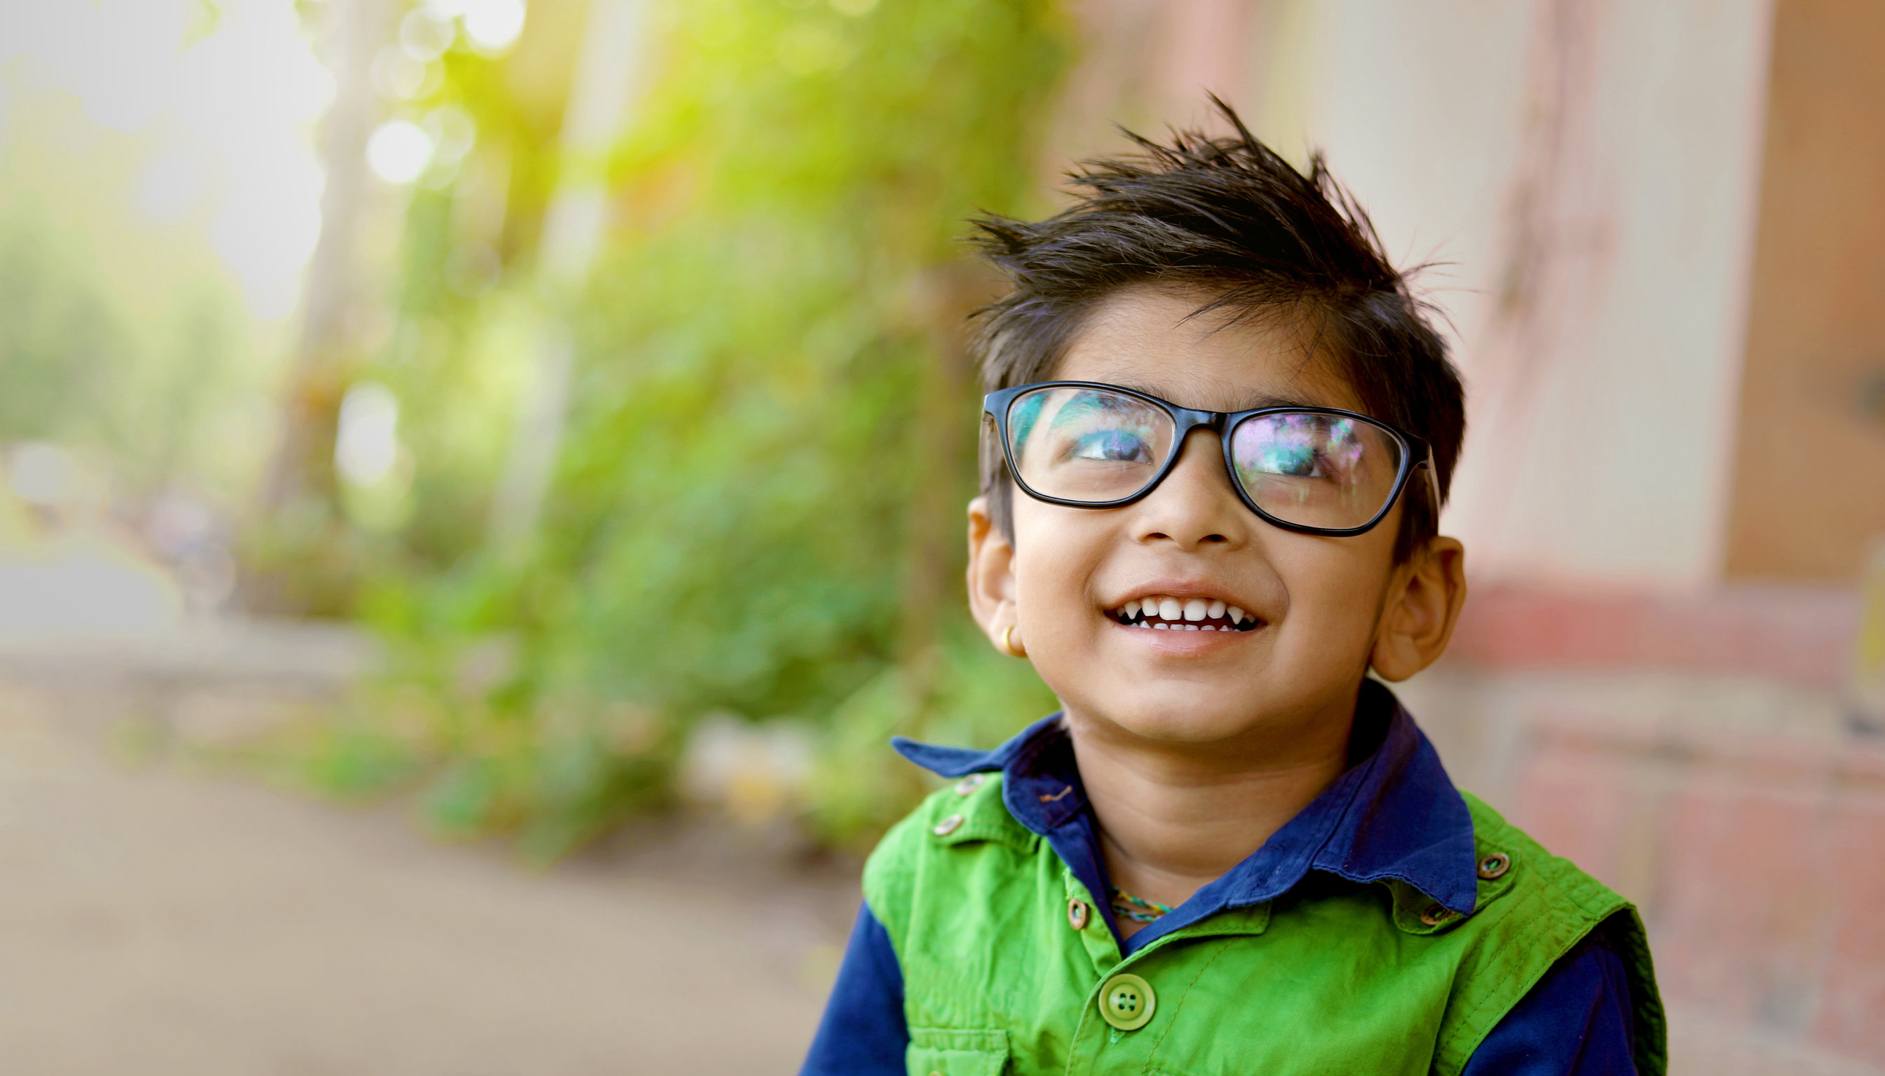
{"type": "Point", "coordinates": [1008, 643]}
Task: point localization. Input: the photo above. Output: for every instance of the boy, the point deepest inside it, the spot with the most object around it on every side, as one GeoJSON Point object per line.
{"type": "Point", "coordinates": [1220, 433]}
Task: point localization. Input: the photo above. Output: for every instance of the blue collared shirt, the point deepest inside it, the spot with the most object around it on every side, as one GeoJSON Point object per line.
{"type": "Point", "coordinates": [1393, 814]}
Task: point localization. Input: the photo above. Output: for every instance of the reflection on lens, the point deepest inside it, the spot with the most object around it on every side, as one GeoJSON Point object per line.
{"type": "Point", "coordinates": [1086, 444]}
{"type": "Point", "coordinates": [1315, 469]}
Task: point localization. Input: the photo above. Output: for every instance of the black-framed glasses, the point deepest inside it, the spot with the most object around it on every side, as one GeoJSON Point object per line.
{"type": "Point", "coordinates": [1319, 470]}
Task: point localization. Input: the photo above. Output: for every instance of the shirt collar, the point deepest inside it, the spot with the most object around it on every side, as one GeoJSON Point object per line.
{"type": "Point", "coordinates": [1392, 815]}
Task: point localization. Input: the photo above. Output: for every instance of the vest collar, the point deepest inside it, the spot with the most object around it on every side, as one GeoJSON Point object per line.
{"type": "Point", "coordinates": [1393, 815]}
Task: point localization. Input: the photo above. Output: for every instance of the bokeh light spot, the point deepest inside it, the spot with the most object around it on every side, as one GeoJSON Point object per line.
{"type": "Point", "coordinates": [493, 25]}
{"type": "Point", "coordinates": [399, 151]}
{"type": "Point", "coordinates": [367, 443]}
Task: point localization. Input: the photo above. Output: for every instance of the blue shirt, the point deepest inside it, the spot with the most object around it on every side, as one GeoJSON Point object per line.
{"type": "Point", "coordinates": [1393, 813]}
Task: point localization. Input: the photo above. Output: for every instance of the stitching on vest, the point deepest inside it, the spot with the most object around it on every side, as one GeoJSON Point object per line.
{"type": "Point", "coordinates": [1152, 1058]}
{"type": "Point", "coordinates": [1652, 1027]}
{"type": "Point", "coordinates": [1473, 1027]}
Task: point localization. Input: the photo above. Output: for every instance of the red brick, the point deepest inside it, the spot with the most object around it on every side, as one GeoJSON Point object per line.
{"type": "Point", "coordinates": [1576, 804]}
{"type": "Point", "coordinates": [1800, 635]}
{"type": "Point", "coordinates": [1851, 1014]}
{"type": "Point", "coordinates": [1741, 926]}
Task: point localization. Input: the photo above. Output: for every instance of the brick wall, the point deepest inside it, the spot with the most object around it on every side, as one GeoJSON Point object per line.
{"type": "Point", "coordinates": [1695, 753]}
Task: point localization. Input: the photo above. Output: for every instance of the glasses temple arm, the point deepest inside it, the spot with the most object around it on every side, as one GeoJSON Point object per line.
{"type": "Point", "coordinates": [1433, 482]}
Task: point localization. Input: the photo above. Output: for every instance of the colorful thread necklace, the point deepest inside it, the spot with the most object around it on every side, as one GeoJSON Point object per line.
{"type": "Point", "coordinates": [1137, 909]}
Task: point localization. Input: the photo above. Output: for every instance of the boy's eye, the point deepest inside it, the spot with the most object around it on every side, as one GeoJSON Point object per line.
{"type": "Point", "coordinates": [1300, 446]}
{"type": "Point", "coordinates": [1113, 445]}
{"type": "Point", "coordinates": [1296, 461]}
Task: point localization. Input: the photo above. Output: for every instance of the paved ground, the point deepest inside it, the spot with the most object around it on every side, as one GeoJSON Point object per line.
{"type": "Point", "coordinates": [158, 919]}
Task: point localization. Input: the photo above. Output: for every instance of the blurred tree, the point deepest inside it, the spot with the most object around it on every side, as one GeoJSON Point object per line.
{"type": "Point", "coordinates": [754, 507]}
{"type": "Point", "coordinates": [299, 512]}
{"type": "Point", "coordinates": [115, 338]}
{"type": "Point", "coordinates": [575, 222]}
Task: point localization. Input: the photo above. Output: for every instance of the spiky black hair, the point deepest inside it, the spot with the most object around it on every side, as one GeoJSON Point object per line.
{"type": "Point", "coordinates": [1231, 219]}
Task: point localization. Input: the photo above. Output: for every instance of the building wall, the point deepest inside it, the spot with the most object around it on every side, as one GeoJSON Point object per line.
{"type": "Point", "coordinates": [1809, 465]}
{"type": "Point", "coordinates": [1588, 173]}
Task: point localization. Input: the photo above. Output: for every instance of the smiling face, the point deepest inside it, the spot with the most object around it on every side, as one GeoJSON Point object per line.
{"type": "Point", "coordinates": [1314, 606]}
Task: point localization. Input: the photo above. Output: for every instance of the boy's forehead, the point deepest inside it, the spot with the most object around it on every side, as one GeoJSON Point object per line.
{"type": "Point", "coordinates": [1148, 339]}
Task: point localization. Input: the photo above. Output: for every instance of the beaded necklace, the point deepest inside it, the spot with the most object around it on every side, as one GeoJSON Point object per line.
{"type": "Point", "coordinates": [1137, 909]}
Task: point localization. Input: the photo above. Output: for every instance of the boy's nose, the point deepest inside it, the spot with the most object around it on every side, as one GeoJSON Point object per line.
{"type": "Point", "coordinates": [1195, 504]}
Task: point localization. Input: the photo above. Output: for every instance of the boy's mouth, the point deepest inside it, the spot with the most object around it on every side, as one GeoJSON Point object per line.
{"type": "Point", "coordinates": [1162, 613]}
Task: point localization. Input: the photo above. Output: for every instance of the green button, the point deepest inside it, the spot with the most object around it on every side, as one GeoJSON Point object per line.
{"type": "Point", "coordinates": [1127, 1001]}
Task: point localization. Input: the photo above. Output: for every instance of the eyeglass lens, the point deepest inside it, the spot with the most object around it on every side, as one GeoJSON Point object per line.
{"type": "Point", "coordinates": [1093, 446]}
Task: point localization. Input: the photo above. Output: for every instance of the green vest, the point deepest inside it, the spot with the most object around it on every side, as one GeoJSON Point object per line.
{"type": "Point", "coordinates": [1008, 967]}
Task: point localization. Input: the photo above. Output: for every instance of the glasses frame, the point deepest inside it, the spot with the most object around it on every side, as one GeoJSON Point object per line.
{"type": "Point", "coordinates": [1415, 451]}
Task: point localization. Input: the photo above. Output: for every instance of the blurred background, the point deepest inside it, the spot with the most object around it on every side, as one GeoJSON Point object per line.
{"type": "Point", "coordinates": [480, 481]}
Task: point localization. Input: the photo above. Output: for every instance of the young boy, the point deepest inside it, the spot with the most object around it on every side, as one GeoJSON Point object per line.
{"type": "Point", "coordinates": [1220, 432]}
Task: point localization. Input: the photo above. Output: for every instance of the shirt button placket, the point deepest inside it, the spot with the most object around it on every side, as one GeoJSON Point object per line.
{"type": "Point", "coordinates": [1091, 934]}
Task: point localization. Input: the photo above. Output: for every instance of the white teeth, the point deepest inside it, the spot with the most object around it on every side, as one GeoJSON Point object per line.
{"type": "Point", "coordinates": [1161, 627]}
{"type": "Point", "coordinates": [1174, 611]}
{"type": "Point", "coordinates": [1210, 627]}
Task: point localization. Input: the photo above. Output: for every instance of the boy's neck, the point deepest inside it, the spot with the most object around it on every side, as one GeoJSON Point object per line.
{"type": "Point", "coordinates": [1171, 821]}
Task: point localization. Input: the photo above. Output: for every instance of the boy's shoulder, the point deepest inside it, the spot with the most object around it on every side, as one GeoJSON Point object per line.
{"type": "Point", "coordinates": [1527, 897]}
{"type": "Point", "coordinates": [967, 810]}
{"type": "Point", "coordinates": [1550, 905]}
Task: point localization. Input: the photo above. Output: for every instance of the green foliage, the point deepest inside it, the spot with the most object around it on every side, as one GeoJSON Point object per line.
{"type": "Point", "coordinates": [154, 398]}
{"type": "Point", "coordinates": [735, 523]}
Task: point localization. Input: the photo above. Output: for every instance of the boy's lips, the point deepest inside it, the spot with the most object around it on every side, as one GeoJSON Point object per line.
{"type": "Point", "coordinates": [1187, 643]}
{"type": "Point", "coordinates": [1184, 606]}
{"type": "Point", "coordinates": [1184, 618]}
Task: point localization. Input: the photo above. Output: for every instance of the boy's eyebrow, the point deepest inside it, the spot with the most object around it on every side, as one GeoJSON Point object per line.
{"type": "Point", "coordinates": [1265, 399]}
{"type": "Point", "coordinates": [1246, 403]}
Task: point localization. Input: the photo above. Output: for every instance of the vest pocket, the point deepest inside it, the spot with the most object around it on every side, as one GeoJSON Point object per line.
{"type": "Point", "coordinates": [939, 1051]}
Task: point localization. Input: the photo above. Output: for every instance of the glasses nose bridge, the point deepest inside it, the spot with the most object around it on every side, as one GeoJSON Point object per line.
{"type": "Point", "coordinates": [1188, 420]}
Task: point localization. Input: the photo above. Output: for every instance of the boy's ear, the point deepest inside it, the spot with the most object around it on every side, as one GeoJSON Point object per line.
{"type": "Point", "coordinates": [1424, 600]}
{"type": "Point", "coordinates": [991, 573]}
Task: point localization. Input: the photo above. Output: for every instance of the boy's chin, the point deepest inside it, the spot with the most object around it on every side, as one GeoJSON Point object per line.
{"type": "Point", "coordinates": [1183, 723]}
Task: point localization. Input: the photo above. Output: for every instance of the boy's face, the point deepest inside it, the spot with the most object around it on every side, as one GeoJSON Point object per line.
{"type": "Point", "coordinates": [1324, 604]}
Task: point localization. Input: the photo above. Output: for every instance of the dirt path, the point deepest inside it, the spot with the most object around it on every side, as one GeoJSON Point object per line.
{"type": "Point", "coordinates": [157, 920]}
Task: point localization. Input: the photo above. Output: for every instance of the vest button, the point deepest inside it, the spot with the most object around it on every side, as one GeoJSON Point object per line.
{"type": "Point", "coordinates": [1435, 914]}
{"type": "Point", "coordinates": [1077, 913]}
{"type": "Point", "coordinates": [1127, 1002]}
{"type": "Point", "coordinates": [969, 784]}
{"type": "Point", "coordinates": [1494, 865]}
{"type": "Point", "coordinates": [947, 826]}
